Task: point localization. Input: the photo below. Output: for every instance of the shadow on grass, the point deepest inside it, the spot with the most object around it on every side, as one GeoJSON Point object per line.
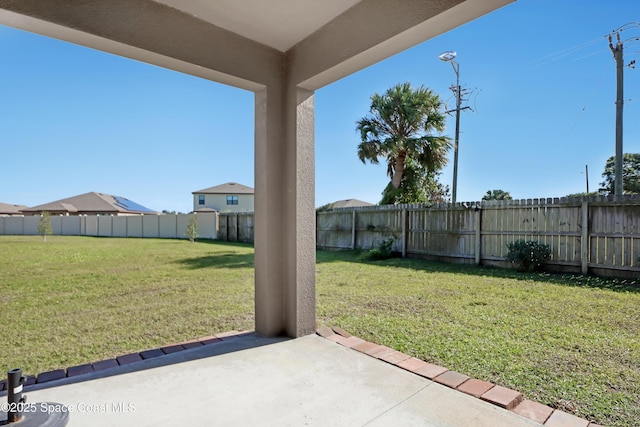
{"type": "Point", "coordinates": [566, 279]}
{"type": "Point", "coordinates": [220, 260]}
{"type": "Point", "coordinates": [231, 259]}
{"type": "Point", "coordinates": [224, 243]}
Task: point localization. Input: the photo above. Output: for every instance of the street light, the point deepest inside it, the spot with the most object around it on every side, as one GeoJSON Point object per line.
{"type": "Point", "coordinates": [449, 56]}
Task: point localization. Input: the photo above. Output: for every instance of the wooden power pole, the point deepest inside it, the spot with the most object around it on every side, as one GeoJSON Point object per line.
{"type": "Point", "coordinates": [617, 55]}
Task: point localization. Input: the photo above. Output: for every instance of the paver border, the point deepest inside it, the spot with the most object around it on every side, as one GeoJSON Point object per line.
{"type": "Point", "coordinates": [124, 359]}
{"type": "Point", "coordinates": [502, 397]}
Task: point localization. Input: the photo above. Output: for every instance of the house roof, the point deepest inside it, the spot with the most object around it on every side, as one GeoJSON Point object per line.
{"type": "Point", "coordinates": [227, 188]}
{"type": "Point", "coordinates": [92, 202]}
{"type": "Point", "coordinates": [6, 208]}
{"type": "Point", "coordinates": [349, 203]}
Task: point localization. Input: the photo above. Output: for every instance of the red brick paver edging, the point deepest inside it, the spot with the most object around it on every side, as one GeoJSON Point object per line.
{"type": "Point", "coordinates": [124, 359]}
{"type": "Point", "coordinates": [494, 394]}
{"type": "Point", "coordinates": [503, 397]}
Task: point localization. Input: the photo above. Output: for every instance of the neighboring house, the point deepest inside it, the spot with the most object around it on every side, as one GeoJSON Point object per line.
{"type": "Point", "coordinates": [347, 203]}
{"type": "Point", "coordinates": [11, 210]}
{"type": "Point", "coordinates": [229, 197]}
{"type": "Point", "coordinates": [91, 204]}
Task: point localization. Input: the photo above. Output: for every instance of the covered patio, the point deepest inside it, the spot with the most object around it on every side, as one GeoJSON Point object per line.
{"type": "Point", "coordinates": [282, 51]}
{"type": "Point", "coordinates": [247, 379]}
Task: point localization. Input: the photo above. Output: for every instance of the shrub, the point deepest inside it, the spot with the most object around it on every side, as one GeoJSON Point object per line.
{"type": "Point", "coordinates": [44, 225]}
{"type": "Point", "coordinates": [192, 229]}
{"type": "Point", "coordinates": [383, 251]}
{"type": "Point", "coordinates": [527, 254]}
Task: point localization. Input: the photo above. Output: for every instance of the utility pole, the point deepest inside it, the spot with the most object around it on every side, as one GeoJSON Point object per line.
{"type": "Point", "coordinates": [449, 56]}
{"type": "Point", "coordinates": [586, 172]}
{"type": "Point", "coordinates": [458, 92]}
{"type": "Point", "coordinates": [617, 55]}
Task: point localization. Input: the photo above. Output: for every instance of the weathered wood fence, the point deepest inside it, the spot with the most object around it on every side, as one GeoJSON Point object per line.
{"type": "Point", "coordinates": [235, 227]}
{"type": "Point", "coordinates": [595, 234]}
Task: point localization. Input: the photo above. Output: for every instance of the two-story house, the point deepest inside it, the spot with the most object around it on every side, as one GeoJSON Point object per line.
{"type": "Point", "coordinates": [229, 197]}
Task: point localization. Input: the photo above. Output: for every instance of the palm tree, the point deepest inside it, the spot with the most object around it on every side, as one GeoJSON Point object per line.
{"type": "Point", "coordinates": [400, 124]}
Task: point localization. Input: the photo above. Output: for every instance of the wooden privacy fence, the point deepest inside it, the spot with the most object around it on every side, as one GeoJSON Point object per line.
{"type": "Point", "coordinates": [161, 226]}
{"type": "Point", "coordinates": [595, 234]}
{"type": "Point", "coordinates": [236, 227]}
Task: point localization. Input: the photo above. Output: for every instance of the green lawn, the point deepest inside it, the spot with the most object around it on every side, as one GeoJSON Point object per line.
{"type": "Point", "coordinates": [566, 341]}
{"type": "Point", "coordinates": [75, 300]}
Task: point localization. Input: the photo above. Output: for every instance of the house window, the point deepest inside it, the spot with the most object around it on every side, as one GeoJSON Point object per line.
{"type": "Point", "coordinates": [201, 199]}
{"type": "Point", "coordinates": [232, 200]}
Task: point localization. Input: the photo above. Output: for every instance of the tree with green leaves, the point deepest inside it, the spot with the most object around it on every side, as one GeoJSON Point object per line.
{"type": "Point", "coordinates": [401, 128]}
{"type": "Point", "coordinates": [630, 174]}
{"type": "Point", "coordinates": [583, 194]}
{"type": "Point", "coordinates": [44, 225]}
{"type": "Point", "coordinates": [497, 195]}
{"type": "Point", "coordinates": [418, 186]}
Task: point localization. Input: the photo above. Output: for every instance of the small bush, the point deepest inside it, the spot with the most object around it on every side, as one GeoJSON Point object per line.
{"type": "Point", "coordinates": [383, 251]}
{"type": "Point", "coordinates": [44, 225]}
{"type": "Point", "coordinates": [192, 229]}
{"type": "Point", "coordinates": [528, 255]}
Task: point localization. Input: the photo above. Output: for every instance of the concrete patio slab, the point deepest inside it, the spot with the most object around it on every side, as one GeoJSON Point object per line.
{"type": "Point", "coordinates": [253, 380]}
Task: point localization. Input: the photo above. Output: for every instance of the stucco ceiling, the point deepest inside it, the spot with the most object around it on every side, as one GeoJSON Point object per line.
{"type": "Point", "coordinates": [248, 43]}
{"type": "Point", "coordinates": [279, 24]}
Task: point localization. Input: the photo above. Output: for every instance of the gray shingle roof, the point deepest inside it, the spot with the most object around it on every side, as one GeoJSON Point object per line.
{"type": "Point", "coordinates": [91, 203]}
{"type": "Point", "coordinates": [349, 203]}
{"type": "Point", "coordinates": [227, 188]}
{"type": "Point", "coordinates": [6, 208]}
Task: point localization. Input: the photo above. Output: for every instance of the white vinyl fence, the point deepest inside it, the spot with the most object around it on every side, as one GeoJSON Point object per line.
{"type": "Point", "coordinates": [151, 226]}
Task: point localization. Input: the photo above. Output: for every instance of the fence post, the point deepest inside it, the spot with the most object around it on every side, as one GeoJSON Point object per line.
{"type": "Point", "coordinates": [405, 232]}
{"type": "Point", "coordinates": [584, 239]}
{"type": "Point", "coordinates": [237, 227]}
{"type": "Point", "coordinates": [216, 228]}
{"type": "Point", "coordinates": [353, 229]}
{"type": "Point", "coordinates": [478, 235]}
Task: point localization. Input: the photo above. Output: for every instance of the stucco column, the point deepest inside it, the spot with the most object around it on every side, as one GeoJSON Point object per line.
{"type": "Point", "coordinates": [284, 212]}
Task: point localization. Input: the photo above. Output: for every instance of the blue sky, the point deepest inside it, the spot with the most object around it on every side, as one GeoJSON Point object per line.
{"type": "Point", "coordinates": [542, 77]}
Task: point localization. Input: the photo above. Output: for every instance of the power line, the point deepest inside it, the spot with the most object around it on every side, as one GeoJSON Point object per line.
{"type": "Point", "coordinates": [591, 95]}
{"type": "Point", "coordinates": [564, 52]}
